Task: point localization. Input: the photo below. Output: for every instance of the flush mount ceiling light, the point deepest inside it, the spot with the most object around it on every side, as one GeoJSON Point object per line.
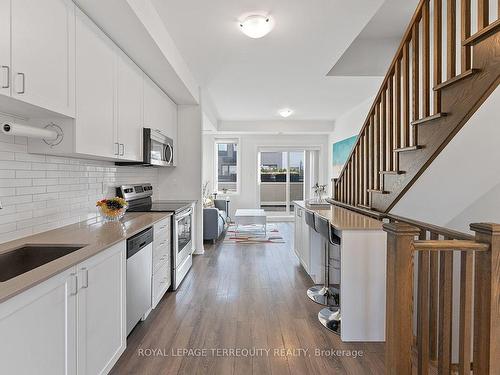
{"type": "Point", "coordinates": [285, 112]}
{"type": "Point", "coordinates": [256, 25]}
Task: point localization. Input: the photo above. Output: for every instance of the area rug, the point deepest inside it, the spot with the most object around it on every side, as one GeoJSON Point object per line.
{"type": "Point", "coordinates": [253, 234]}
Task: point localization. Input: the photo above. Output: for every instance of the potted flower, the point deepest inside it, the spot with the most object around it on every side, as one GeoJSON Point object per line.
{"type": "Point", "coordinates": [112, 209]}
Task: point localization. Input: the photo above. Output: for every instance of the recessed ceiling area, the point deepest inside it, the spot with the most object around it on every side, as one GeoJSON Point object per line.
{"type": "Point", "coordinates": [251, 79]}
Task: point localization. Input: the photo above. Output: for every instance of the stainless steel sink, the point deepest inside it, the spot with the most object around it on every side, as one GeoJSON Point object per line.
{"type": "Point", "coordinates": [28, 257]}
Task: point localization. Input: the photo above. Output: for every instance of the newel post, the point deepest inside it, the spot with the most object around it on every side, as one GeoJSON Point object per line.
{"type": "Point", "coordinates": [487, 301]}
{"type": "Point", "coordinates": [399, 298]}
{"type": "Point", "coordinates": [334, 189]}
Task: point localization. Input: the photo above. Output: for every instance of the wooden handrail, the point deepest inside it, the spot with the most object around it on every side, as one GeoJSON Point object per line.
{"type": "Point", "coordinates": [449, 245]}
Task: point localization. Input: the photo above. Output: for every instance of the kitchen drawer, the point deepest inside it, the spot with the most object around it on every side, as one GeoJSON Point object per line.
{"type": "Point", "coordinates": [161, 237]}
{"type": "Point", "coordinates": [160, 255]}
{"type": "Point", "coordinates": [161, 282]}
{"type": "Point", "coordinates": [162, 226]}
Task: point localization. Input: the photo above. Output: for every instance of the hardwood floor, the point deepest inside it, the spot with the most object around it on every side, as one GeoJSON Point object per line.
{"type": "Point", "coordinates": [243, 297]}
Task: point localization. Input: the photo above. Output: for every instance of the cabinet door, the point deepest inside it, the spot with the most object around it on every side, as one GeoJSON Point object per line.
{"type": "Point", "coordinates": [101, 310]}
{"type": "Point", "coordinates": [95, 90]}
{"type": "Point", "coordinates": [297, 240]}
{"type": "Point", "coordinates": [43, 53]}
{"type": "Point", "coordinates": [159, 110]}
{"type": "Point", "coordinates": [5, 68]}
{"type": "Point", "coordinates": [305, 245]}
{"type": "Point", "coordinates": [38, 328]}
{"type": "Point", "coordinates": [130, 101]}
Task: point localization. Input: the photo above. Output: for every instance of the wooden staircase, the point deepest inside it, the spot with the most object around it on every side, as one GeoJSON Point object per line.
{"type": "Point", "coordinates": [427, 96]}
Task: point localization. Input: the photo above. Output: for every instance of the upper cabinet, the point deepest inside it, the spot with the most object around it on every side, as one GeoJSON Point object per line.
{"type": "Point", "coordinates": [43, 53]}
{"type": "Point", "coordinates": [96, 63]}
{"type": "Point", "coordinates": [160, 112]}
{"type": "Point", "coordinates": [5, 47]}
{"type": "Point", "coordinates": [130, 109]}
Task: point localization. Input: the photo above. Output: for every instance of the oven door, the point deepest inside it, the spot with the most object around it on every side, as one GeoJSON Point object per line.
{"type": "Point", "coordinates": [183, 232]}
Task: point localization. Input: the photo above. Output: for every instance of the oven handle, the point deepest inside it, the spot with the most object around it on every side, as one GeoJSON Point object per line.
{"type": "Point", "coordinates": [183, 214]}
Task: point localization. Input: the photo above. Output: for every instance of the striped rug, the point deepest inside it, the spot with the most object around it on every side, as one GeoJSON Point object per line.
{"type": "Point", "coordinates": [253, 234]}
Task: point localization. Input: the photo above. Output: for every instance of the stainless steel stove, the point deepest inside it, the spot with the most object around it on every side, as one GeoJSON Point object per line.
{"type": "Point", "coordinates": [139, 199]}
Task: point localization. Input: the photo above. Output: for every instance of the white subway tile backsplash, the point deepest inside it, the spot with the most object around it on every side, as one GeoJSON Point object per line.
{"type": "Point", "coordinates": [43, 192]}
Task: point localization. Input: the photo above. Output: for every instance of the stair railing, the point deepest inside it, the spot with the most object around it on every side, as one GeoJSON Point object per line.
{"type": "Point", "coordinates": [440, 254]}
{"type": "Point", "coordinates": [410, 95]}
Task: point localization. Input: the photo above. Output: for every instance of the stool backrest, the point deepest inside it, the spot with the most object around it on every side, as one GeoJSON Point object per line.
{"type": "Point", "coordinates": [310, 219]}
{"type": "Point", "coordinates": [324, 228]}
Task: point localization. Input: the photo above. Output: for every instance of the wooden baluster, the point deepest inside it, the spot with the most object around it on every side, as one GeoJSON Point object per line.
{"type": "Point", "coordinates": [361, 168]}
{"type": "Point", "coordinates": [365, 168]}
{"type": "Point", "coordinates": [351, 172]}
{"type": "Point", "coordinates": [451, 39]}
{"type": "Point", "coordinates": [433, 301]}
{"type": "Point", "coordinates": [399, 298]}
{"type": "Point", "coordinates": [356, 175]}
{"type": "Point", "coordinates": [406, 96]}
{"type": "Point", "coordinates": [486, 297]}
{"type": "Point", "coordinates": [445, 301]}
{"type": "Point", "coordinates": [390, 126]}
{"type": "Point", "coordinates": [426, 60]}
{"type": "Point", "coordinates": [377, 147]}
{"type": "Point", "coordinates": [438, 45]}
{"type": "Point", "coordinates": [465, 33]}
{"type": "Point", "coordinates": [383, 135]}
{"type": "Point", "coordinates": [371, 156]}
{"type": "Point", "coordinates": [423, 310]}
{"type": "Point", "coordinates": [483, 14]}
{"type": "Point", "coordinates": [397, 113]}
{"type": "Point", "coordinates": [415, 42]}
{"type": "Point", "coordinates": [348, 174]}
{"type": "Point", "coordinates": [465, 330]}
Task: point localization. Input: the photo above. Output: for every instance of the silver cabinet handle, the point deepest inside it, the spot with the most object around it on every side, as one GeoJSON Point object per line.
{"type": "Point", "coordinates": [85, 282]}
{"type": "Point", "coordinates": [117, 145]}
{"type": "Point", "coordinates": [122, 152]}
{"type": "Point", "coordinates": [73, 285]}
{"type": "Point", "coordinates": [24, 83]}
{"type": "Point", "coordinates": [7, 68]}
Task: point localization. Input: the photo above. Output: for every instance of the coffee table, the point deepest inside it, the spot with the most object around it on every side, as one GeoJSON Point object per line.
{"type": "Point", "coordinates": [255, 216]}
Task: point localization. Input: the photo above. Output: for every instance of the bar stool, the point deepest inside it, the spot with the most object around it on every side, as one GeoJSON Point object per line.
{"type": "Point", "coordinates": [330, 315]}
{"type": "Point", "coordinates": [322, 294]}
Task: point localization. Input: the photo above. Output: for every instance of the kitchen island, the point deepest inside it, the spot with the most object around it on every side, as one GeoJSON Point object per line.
{"type": "Point", "coordinates": [362, 267]}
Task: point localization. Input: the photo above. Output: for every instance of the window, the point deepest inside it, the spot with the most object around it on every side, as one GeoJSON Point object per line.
{"type": "Point", "coordinates": [227, 166]}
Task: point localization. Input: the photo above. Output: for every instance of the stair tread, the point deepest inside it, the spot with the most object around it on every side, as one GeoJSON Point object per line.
{"type": "Point", "coordinates": [365, 207]}
{"type": "Point", "coordinates": [457, 78]}
{"type": "Point", "coordinates": [483, 34]}
{"type": "Point", "coordinates": [392, 172]}
{"type": "Point", "coordinates": [409, 148]}
{"type": "Point", "coordinates": [429, 118]}
{"type": "Point", "coordinates": [378, 191]}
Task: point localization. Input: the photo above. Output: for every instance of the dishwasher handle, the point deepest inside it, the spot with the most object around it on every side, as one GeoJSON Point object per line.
{"type": "Point", "coordinates": [139, 241]}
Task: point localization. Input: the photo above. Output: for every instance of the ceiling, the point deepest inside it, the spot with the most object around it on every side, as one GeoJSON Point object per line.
{"type": "Point", "coordinates": [251, 79]}
{"type": "Point", "coordinates": [379, 39]}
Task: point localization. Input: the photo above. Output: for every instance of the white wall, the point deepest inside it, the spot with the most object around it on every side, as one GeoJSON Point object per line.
{"type": "Point", "coordinates": [248, 195]}
{"type": "Point", "coordinates": [346, 126]}
{"type": "Point", "coordinates": [462, 185]}
{"type": "Point", "coordinates": [184, 181]}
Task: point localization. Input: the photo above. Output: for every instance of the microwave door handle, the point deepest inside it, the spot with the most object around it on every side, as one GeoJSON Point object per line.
{"type": "Point", "coordinates": [171, 153]}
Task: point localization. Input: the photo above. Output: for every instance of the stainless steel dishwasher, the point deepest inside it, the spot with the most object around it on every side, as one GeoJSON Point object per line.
{"type": "Point", "coordinates": [139, 271]}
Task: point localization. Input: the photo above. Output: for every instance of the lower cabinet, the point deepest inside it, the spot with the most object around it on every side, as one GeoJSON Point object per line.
{"type": "Point", "coordinates": [72, 323]}
{"type": "Point", "coordinates": [101, 328]}
{"type": "Point", "coordinates": [162, 274]}
{"type": "Point", "coordinates": [301, 239]}
{"type": "Point", "coordinates": [38, 328]}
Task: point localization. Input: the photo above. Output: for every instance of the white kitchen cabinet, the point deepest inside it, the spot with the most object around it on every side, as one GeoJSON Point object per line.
{"type": "Point", "coordinates": [96, 64]}
{"type": "Point", "coordinates": [130, 109]}
{"type": "Point", "coordinates": [101, 325]}
{"type": "Point", "coordinates": [5, 69]}
{"type": "Point", "coordinates": [38, 328]}
{"type": "Point", "coordinates": [160, 112]}
{"type": "Point", "coordinates": [43, 53]}
{"type": "Point", "coordinates": [302, 246]}
{"type": "Point", "coordinates": [297, 239]}
{"type": "Point", "coordinates": [162, 276]}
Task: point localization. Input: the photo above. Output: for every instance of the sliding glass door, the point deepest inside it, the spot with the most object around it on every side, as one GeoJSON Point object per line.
{"type": "Point", "coordinates": [281, 180]}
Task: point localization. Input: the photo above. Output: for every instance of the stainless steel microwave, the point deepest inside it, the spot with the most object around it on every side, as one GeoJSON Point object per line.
{"type": "Point", "coordinates": [158, 149]}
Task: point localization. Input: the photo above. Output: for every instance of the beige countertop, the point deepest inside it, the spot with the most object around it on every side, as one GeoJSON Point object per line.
{"type": "Point", "coordinates": [342, 218]}
{"type": "Point", "coordinates": [94, 233]}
